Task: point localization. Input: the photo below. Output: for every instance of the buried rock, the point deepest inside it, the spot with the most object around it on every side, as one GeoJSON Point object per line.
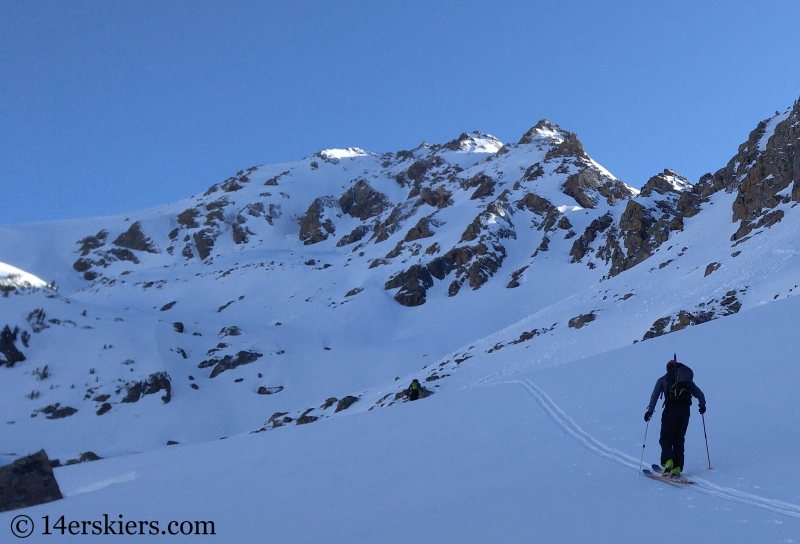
{"type": "Point", "coordinates": [305, 418]}
{"type": "Point", "coordinates": [28, 481]}
{"type": "Point", "coordinates": [229, 362]}
{"type": "Point", "coordinates": [269, 390]}
{"type": "Point", "coordinates": [55, 411]}
{"type": "Point", "coordinates": [85, 457]}
{"type": "Point", "coordinates": [158, 381]}
{"type": "Point", "coordinates": [345, 403]}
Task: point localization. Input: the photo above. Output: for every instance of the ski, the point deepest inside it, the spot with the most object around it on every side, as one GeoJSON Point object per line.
{"type": "Point", "coordinates": [677, 482]}
{"type": "Point", "coordinates": [658, 471]}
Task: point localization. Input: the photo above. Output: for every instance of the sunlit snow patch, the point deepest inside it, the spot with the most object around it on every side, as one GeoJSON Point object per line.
{"type": "Point", "coordinates": [481, 143]}
{"type": "Point", "coordinates": [549, 132]}
{"type": "Point", "coordinates": [678, 183]}
{"type": "Point", "coordinates": [13, 277]}
{"type": "Point", "coordinates": [348, 153]}
{"type": "Point", "coordinates": [770, 130]}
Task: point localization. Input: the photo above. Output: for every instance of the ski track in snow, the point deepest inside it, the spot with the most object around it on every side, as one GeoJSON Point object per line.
{"type": "Point", "coordinates": [103, 484]}
{"type": "Point", "coordinates": [568, 425]}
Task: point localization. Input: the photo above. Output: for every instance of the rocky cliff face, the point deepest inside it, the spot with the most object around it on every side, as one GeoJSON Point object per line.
{"type": "Point", "coordinates": [647, 223]}
{"type": "Point", "coordinates": [767, 172]}
{"type": "Point", "coordinates": [764, 173]}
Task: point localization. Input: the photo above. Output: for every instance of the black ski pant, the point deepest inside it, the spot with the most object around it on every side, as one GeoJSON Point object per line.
{"type": "Point", "coordinates": [674, 422]}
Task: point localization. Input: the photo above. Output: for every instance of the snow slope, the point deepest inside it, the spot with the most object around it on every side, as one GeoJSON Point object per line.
{"type": "Point", "coordinates": [12, 277]}
{"type": "Point", "coordinates": [547, 456]}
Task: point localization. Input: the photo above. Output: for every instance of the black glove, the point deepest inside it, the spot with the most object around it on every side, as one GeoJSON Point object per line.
{"type": "Point", "coordinates": [702, 409]}
{"type": "Point", "coordinates": [647, 415]}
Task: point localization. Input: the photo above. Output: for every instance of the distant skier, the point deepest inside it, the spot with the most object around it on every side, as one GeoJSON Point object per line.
{"type": "Point", "coordinates": [678, 388]}
{"type": "Point", "coordinates": [413, 390]}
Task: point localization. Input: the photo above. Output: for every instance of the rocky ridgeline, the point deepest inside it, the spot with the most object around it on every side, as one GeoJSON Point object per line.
{"type": "Point", "coordinates": [431, 182]}
{"type": "Point", "coordinates": [627, 226]}
{"type": "Point", "coordinates": [488, 198]}
{"type": "Point", "coordinates": [763, 172]}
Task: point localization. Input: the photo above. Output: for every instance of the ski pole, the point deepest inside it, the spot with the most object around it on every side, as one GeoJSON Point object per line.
{"type": "Point", "coordinates": [706, 437]}
{"type": "Point", "coordinates": [643, 444]}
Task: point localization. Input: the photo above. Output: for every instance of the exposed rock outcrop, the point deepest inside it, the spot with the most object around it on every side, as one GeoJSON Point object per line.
{"type": "Point", "coordinates": [400, 213]}
{"type": "Point", "coordinates": [771, 164]}
{"type": "Point", "coordinates": [589, 185]}
{"type": "Point", "coordinates": [345, 403]}
{"type": "Point", "coordinates": [158, 381]}
{"type": "Point", "coordinates": [484, 186]}
{"type": "Point", "coordinates": [583, 187]}
{"type": "Point", "coordinates": [541, 207]}
{"type": "Point", "coordinates": [438, 197]}
{"type": "Point", "coordinates": [188, 218]}
{"type": "Point", "coordinates": [306, 418]}
{"type": "Point", "coordinates": [420, 230]}
{"type": "Point", "coordinates": [204, 242]}
{"type": "Point", "coordinates": [356, 235]}
{"type": "Point", "coordinates": [314, 226]}
{"type": "Point", "coordinates": [581, 246]}
{"type": "Point", "coordinates": [56, 411]}
{"type": "Point", "coordinates": [228, 362]}
{"type": "Point", "coordinates": [416, 173]}
{"type": "Point", "coordinates": [414, 284]}
{"type": "Point", "coordinates": [669, 182]}
{"type": "Point", "coordinates": [704, 312]}
{"type": "Point", "coordinates": [643, 226]}
{"type": "Point", "coordinates": [581, 320]}
{"type": "Point", "coordinates": [9, 353]}
{"type": "Point", "coordinates": [363, 202]}
{"type": "Point", "coordinates": [93, 242]}
{"type": "Point", "coordinates": [28, 481]}
{"type": "Point", "coordinates": [134, 238]}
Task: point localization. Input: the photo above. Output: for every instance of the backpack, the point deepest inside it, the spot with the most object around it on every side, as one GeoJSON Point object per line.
{"type": "Point", "coordinates": [678, 381]}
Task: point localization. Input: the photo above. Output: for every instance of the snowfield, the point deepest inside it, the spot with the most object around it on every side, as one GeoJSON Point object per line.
{"type": "Point", "coordinates": [544, 456]}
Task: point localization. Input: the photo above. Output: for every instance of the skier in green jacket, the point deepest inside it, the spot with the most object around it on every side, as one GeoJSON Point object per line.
{"type": "Point", "coordinates": [414, 389]}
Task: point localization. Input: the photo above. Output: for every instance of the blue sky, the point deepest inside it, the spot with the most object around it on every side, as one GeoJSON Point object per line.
{"type": "Point", "coordinates": [109, 106]}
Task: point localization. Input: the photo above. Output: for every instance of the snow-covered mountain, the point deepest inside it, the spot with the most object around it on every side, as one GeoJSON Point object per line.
{"type": "Point", "coordinates": [294, 293]}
